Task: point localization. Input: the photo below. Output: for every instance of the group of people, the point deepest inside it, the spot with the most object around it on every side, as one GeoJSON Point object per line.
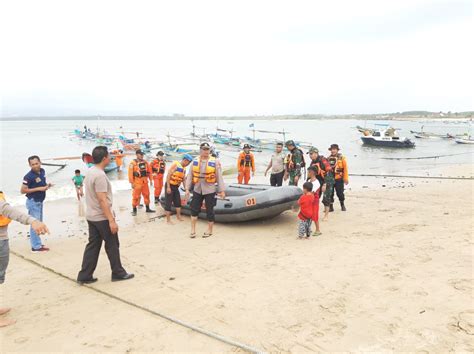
{"type": "Point", "coordinates": [203, 179]}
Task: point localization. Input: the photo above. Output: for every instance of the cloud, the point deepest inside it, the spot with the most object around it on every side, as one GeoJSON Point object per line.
{"type": "Point", "coordinates": [235, 58]}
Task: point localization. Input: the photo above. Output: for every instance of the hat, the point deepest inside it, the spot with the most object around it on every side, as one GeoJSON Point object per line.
{"type": "Point", "coordinates": [333, 146]}
{"type": "Point", "coordinates": [160, 153]}
{"type": "Point", "coordinates": [290, 142]}
{"type": "Point", "coordinates": [204, 146]}
{"type": "Point", "coordinates": [312, 149]}
{"type": "Point", "coordinates": [187, 157]}
{"type": "Point", "coordinates": [246, 146]}
{"type": "Point", "coordinates": [139, 152]}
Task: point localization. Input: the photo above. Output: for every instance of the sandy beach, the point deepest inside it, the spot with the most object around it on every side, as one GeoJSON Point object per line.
{"type": "Point", "coordinates": [394, 273]}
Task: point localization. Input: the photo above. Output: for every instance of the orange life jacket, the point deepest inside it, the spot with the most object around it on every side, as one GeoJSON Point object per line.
{"type": "Point", "coordinates": [158, 166]}
{"type": "Point", "coordinates": [245, 160]}
{"type": "Point", "coordinates": [337, 165]}
{"type": "Point", "coordinates": [4, 221]}
{"type": "Point", "coordinates": [178, 175]}
{"type": "Point", "coordinates": [140, 168]}
{"type": "Point", "coordinates": [210, 174]}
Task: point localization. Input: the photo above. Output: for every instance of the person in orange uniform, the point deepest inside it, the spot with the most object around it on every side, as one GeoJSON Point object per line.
{"type": "Point", "coordinates": [158, 167]}
{"type": "Point", "coordinates": [341, 174]}
{"type": "Point", "coordinates": [139, 172]}
{"type": "Point", "coordinates": [245, 164]}
{"type": "Point", "coordinates": [176, 176]}
{"type": "Point", "coordinates": [118, 154]}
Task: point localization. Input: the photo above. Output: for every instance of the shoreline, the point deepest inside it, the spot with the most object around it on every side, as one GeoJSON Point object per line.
{"type": "Point", "coordinates": [407, 245]}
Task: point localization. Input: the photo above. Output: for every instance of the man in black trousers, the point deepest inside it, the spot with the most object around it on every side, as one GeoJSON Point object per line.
{"type": "Point", "coordinates": [101, 220]}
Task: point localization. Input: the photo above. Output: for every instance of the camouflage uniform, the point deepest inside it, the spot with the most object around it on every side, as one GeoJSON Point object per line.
{"type": "Point", "coordinates": [297, 159]}
{"type": "Point", "coordinates": [328, 197]}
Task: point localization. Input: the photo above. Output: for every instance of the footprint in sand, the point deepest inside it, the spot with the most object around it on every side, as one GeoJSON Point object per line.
{"type": "Point", "coordinates": [465, 322]}
{"type": "Point", "coordinates": [407, 227]}
{"type": "Point", "coordinates": [461, 284]}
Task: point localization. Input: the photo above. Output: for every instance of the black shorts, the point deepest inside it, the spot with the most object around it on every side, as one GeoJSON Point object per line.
{"type": "Point", "coordinates": [196, 204]}
{"type": "Point", "coordinates": [276, 180]}
{"type": "Point", "coordinates": [173, 198]}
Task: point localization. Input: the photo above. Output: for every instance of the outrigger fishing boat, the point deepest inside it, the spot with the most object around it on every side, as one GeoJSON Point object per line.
{"type": "Point", "coordinates": [89, 161]}
{"type": "Point", "coordinates": [249, 202]}
{"type": "Point", "coordinates": [468, 140]}
{"type": "Point", "coordinates": [386, 138]}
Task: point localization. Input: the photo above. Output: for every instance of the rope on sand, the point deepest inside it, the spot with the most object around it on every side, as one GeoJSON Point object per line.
{"type": "Point", "coordinates": [422, 177]}
{"type": "Point", "coordinates": [190, 326]}
{"type": "Point", "coordinates": [424, 157]}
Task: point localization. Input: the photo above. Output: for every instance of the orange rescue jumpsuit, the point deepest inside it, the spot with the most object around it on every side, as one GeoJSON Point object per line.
{"type": "Point", "coordinates": [118, 159]}
{"type": "Point", "coordinates": [158, 170]}
{"type": "Point", "coordinates": [139, 172]}
{"type": "Point", "coordinates": [245, 164]}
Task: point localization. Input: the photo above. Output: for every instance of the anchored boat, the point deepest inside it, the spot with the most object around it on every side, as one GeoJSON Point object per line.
{"type": "Point", "coordinates": [386, 138]}
{"type": "Point", "coordinates": [249, 202]}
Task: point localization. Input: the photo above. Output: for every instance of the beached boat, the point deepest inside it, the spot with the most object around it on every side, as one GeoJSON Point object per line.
{"type": "Point", "coordinates": [249, 202]}
{"type": "Point", "coordinates": [386, 138]}
{"type": "Point", "coordinates": [112, 166]}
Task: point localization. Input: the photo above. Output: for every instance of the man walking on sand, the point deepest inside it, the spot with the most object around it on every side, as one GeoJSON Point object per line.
{"type": "Point", "coordinates": [101, 220]}
{"type": "Point", "coordinates": [7, 214]}
{"type": "Point", "coordinates": [139, 173]}
{"type": "Point", "coordinates": [35, 187]}
{"type": "Point", "coordinates": [206, 179]}
{"type": "Point", "coordinates": [277, 164]}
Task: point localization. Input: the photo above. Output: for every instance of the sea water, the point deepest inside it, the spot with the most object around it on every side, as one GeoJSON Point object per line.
{"type": "Point", "coordinates": [55, 138]}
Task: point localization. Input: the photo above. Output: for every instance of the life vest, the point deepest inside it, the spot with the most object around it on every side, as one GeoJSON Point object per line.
{"type": "Point", "coordinates": [178, 175]}
{"type": "Point", "coordinates": [4, 221]}
{"type": "Point", "coordinates": [210, 174]}
{"type": "Point", "coordinates": [158, 166]}
{"type": "Point", "coordinates": [337, 164]}
{"type": "Point", "coordinates": [245, 160]}
{"type": "Point", "coordinates": [140, 168]}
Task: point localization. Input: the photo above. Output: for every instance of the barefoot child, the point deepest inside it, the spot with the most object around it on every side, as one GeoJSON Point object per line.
{"type": "Point", "coordinates": [306, 211]}
{"type": "Point", "coordinates": [312, 174]}
{"type": "Point", "coordinates": [78, 180]}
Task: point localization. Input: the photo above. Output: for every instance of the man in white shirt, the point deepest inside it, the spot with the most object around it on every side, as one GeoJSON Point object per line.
{"type": "Point", "coordinates": [277, 164]}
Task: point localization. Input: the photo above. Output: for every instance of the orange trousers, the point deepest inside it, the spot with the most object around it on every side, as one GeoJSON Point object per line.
{"type": "Point", "coordinates": [244, 175]}
{"type": "Point", "coordinates": [158, 183]}
{"type": "Point", "coordinates": [140, 187]}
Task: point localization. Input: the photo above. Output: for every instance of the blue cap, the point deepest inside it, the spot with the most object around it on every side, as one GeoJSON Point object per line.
{"type": "Point", "coordinates": [187, 157]}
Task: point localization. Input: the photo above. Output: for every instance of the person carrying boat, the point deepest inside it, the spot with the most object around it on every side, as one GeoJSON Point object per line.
{"type": "Point", "coordinates": [34, 187]}
{"type": "Point", "coordinates": [341, 174]}
{"type": "Point", "coordinates": [176, 176]}
{"type": "Point", "coordinates": [118, 154]}
{"type": "Point", "coordinates": [139, 173]}
{"type": "Point", "coordinates": [206, 181]}
{"type": "Point", "coordinates": [277, 164]}
{"type": "Point", "coordinates": [294, 163]}
{"type": "Point", "coordinates": [7, 214]}
{"type": "Point", "coordinates": [245, 164]}
{"type": "Point", "coordinates": [158, 167]}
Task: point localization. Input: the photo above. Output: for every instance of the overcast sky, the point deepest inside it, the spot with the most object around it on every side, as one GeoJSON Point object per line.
{"type": "Point", "coordinates": [235, 58]}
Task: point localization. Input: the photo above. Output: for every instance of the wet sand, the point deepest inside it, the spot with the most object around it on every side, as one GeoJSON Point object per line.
{"type": "Point", "coordinates": [392, 273]}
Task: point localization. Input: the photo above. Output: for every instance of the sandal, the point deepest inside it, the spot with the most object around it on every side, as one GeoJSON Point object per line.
{"type": "Point", "coordinates": [317, 233]}
{"type": "Point", "coordinates": [206, 235]}
{"type": "Point", "coordinates": [192, 235]}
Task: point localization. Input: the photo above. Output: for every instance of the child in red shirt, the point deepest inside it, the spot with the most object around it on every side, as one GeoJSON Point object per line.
{"type": "Point", "coordinates": [312, 172]}
{"type": "Point", "coordinates": [306, 211]}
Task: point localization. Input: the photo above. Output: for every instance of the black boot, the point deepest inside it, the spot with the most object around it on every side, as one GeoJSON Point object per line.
{"type": "Point", "coordinates": [157, 200]}
{"type": "Point", "coordinates": [331, 208]}
{"type": "Point", "coordinates": [343, 207]}
{"type": "Point", "coordinates": [134, 211]}
{"type": "Point", "coordinates": [148, 210]}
